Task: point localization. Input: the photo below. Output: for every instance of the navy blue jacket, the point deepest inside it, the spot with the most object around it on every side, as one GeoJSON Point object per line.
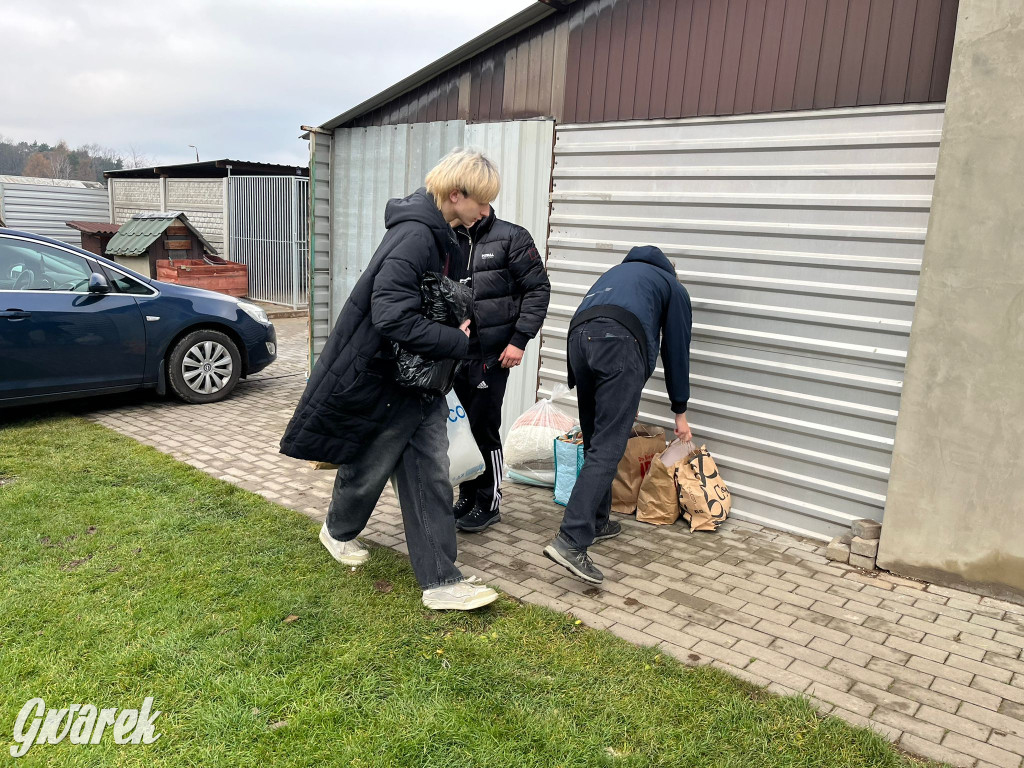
{"type": "Point", "coordinates": [642, 294]}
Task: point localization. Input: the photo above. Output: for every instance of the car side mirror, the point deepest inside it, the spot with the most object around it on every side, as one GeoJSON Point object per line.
{"type": "Point", "coordinates": [98, 283]}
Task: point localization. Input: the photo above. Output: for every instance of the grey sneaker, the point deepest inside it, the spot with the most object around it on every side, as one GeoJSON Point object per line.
{"type": "Point", "coordinates": [465, 595]}
{"type": "Point", "coordinates": [345, 552]}
{"type": "Point", "coordinates": [609, 530]}
{"type": "Point", "coordinates": [576, 561]}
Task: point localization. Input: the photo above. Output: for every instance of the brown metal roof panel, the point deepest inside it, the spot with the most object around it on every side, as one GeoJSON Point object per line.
{"type": "Point", "coordinates": [572, 66]}
{"type": "Point", "coordinates": [616, 54]}
{"type": "Point", "coordinates": [732, 50]}
{"type": "Point", "coordinates": [93, 227]}
{"type": "Point", "coordinates": [645, 62]}
{"type": "Point", "coordinates": [599, 107]}
{"type": "Point", "coordinates": [831, 52]}
{"type": "Point", "coordinates": [630, 61]}
{"type": "Point", "coordinates": [876, 49]}
{"type": "Point", "coordinates": [944, 50]}
{"type": "Point", "coordinates": [768, 60]}
{"type": "Point", "coordinates": [810, 54]}
{"type": "Point", "coordinates": [854, 39]}
{"type": "Point", "coordinates": [714, 52]}
{"type": "Point", "coordinates": [696, 51]}
{"type": "Point", "coordinates": [897, 56]}
{"type": "Point", "coordinates": [588, 52]}
{"type": "Point", "coordinates": [922, 51]}
{"type": "Point", "coordinates": [789, 54]}
{"type": "Point", "coordinates": [746, 76]}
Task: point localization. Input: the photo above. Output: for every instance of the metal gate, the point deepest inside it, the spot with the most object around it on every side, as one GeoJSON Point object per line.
{"type": "Point", "coordinates": [269, 232]}
{"type": "Point", "coordinates": [800, 238]}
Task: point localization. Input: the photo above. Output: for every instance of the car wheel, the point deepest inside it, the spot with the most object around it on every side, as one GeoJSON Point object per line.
{"type": "Point", "coordinates": [204, 367]}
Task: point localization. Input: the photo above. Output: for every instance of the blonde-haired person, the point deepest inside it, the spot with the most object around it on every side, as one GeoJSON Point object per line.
{"type": "Point", "coordinates": [353, 414]}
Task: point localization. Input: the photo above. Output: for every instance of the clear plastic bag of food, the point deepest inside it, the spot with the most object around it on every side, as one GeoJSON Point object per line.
{"type": "Point", "coordinates": [529, 451]}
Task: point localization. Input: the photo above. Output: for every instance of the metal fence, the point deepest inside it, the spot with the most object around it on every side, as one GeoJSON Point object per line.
{"type": "Point", "coordinates": [269, 232]}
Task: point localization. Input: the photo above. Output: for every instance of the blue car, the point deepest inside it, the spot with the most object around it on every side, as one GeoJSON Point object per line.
{"type": "Point", "coordinates": [73, 324]}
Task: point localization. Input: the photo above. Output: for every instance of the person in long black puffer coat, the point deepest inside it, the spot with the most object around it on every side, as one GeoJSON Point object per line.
{"type": "Point", "coordinates": [353, 414]}
{"type": "Point", "coordinates": [511, 292]}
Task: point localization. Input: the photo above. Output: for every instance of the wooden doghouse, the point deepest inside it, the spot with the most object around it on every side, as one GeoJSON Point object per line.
{"type": "Point", "coordinates": [166, 246]}
{"type": "Point", "coordinates": [95, 234]}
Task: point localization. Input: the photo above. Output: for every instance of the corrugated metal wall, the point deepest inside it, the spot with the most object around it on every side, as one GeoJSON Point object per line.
{"type": "Point", "coordinates": [372, 165]}
{"type": "Point", "coordinates": [799, 238]}
{"type": "Point", "coordinates": [321, 203]}
{"type": "Point", "coordinates": [42, 209]}
{"type": "Point", "coordinates": [644, 59]}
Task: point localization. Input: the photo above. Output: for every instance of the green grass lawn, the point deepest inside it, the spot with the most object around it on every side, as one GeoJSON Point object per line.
{"type": "Point", "coordinates": [125, 574]}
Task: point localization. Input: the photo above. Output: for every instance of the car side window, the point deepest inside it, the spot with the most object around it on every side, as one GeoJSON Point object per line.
{"type": "Point", "coordinates": [32, 266]}
{"type": "Point", "coordinates": [125, 284]}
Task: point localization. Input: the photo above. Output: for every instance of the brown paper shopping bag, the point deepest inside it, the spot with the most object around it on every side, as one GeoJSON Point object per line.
{"type": "Point", "coordinates": [704, 499]}
{"type": "Point", "coordinates": [644, 444]}
{"type": "Point", "coordinates": [658, 501]}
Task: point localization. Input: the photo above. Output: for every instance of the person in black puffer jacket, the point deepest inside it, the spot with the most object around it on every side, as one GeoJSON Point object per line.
{"type": "Point", "coordinates": [510, 293]}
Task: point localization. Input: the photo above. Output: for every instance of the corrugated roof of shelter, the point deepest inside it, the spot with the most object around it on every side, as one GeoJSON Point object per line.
{"type": "Point", "coordinates": [511, 26]}
{"type": "Point", "coordinates": [143, 229]}
{"type": "Point", "coordinates": [41, 181]}
{"type": "Point", "coordinates": [213, 169]}
{"type": "Point", "coordinates": [93, 227]}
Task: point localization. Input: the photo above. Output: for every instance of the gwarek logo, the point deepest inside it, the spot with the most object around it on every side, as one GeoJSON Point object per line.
{"type": "Point", "coordinates": [82, 724]}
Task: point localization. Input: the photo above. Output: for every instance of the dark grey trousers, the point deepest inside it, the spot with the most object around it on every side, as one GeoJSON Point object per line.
{"type": "Point", "coordinates": [413, 446]}
{"type": "Point", "coordinates": [608, 364]}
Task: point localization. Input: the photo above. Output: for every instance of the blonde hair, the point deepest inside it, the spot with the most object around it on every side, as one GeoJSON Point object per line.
{"type": "Point", "coordinates": [466, 171]}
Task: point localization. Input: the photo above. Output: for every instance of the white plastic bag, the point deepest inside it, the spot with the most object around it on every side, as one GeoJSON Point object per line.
{"type": "Point", "coordinates": [529, 451]}
{"type": "Point", "coordinates": [465, 462]}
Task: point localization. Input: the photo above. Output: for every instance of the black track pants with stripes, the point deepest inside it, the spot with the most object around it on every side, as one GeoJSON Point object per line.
{"type": "Point", "coordinates": [483, 408]}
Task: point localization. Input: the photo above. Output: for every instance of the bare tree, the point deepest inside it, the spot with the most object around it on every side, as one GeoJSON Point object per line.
{"type": "Point", "coordinates": [59, 161]}
{"type": "Point", "coordinates": [133, 158]}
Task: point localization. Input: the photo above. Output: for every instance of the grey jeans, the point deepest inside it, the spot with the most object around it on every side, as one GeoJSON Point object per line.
{"type": "Point", "coordinates": [413, 446]}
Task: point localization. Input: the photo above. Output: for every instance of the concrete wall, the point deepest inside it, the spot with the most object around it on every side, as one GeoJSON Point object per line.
{"type": "Point", "coordinates": [202, 200]}
{"type": "Point", "coordinates": [955, 511]}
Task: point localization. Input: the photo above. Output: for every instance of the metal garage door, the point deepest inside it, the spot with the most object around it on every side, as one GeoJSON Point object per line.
{"type": "Point", "coordinates": [799, 237]}
{"type": "Point", "coordinates": [371, 165]}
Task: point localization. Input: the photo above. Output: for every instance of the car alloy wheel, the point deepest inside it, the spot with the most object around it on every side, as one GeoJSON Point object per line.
{"type": "Point", "coordinates": [206, 367]}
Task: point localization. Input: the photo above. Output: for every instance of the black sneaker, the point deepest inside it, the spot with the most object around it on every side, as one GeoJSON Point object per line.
{"type": "Point", "coordinates": [477, 520]}
{"type": "Point", "coordinates": [576, 561]}
{"type": "Point", "coordinates": [463, 507]}
{"type": "Point", "coordinates": [609, 530]}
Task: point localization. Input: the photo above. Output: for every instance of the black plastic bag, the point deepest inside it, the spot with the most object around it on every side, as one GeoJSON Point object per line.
{"type": "Point", "coordinates": [443, 301]}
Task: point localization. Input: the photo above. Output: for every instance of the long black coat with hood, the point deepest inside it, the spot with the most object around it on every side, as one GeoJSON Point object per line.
{"type": "Point", "coordinates": [350, 393]}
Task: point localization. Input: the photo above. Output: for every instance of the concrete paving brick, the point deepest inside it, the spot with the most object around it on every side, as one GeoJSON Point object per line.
{"type": "Point", "coordinates": [885, 652]}
{"type": "Point", "coordinates": [791, 681]}
{"type": "Point", "coordinates": [990, 671]}
{"type": "Point", "coordinates": [728, 614]}
{"type": "Point", "coordinates": [956, 723]}
{"type": "Point", "coordinates": [906, 723]}
{"type": "Point", "coordinates": [916, 649]}
{"type": "Point", "coordinates": [841, 699]}
{"type": "Point", "coordinates": [858, 630]}
{"type": "Point", "coordinates": [985, 752]}
{"type": "Point", "coordinates": [742, 674]}
{"type": "Point", "coordinates": [822, 631]}
{"type": "Point", "coordinates": [671, 634]}
{"type": "Point", "coordinates": [1012, 744]}
{"type": "Point", "coordinates": [861, 674]}
{"type": "Point", "coordinates": [1009, 692]}
{"type": "Point", "coordinates": [590, 619]}
{"type": "Point", "coordinates": [1002, 661]}
{"type": "Point", "coordinates": [822, 675]}
{"type": "Point", "coordinates": [622, 617]}
{"type": "Point", "coordinates": [933, 751]}
{"type": "Point", "coordinates": [835, 612]}
{"type": "Point", "coordinates": [959, 648]}
{"type": "Point", "coordinates": [994, 623]}
{"type": "Point", "coordinates": [990, 645]}
{"type": "Point", "coordinates": [768, 614]}
{"type": "Point", "coordinates": [1000, 721]}
{"type": "Point", "coordinates": [907, 633]}
{"type": "Point", "coordinates": [746, 633]}
{"type": "Point", "coordinates": [944, 671]}
{"type": "Point", "coordinates": [886, 699]}
{"type": "Point", "coordinates": [754, 651]}
{"type": "Point", "coordinates": [786, 633]}
{"type": "Point", "coordinates": [718, 653]}
{"type": "Point", "coordinates": [925, 696]}
{"type": "Point", "coordinates": [816, 658]}
{"type": "Point", "coordinates": [839, 651]}
{"type": "Point", "coordinates": [632, 635]}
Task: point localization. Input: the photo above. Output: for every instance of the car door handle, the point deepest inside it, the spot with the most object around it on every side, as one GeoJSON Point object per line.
{"type": "Point", "coordinates": [15, 314]}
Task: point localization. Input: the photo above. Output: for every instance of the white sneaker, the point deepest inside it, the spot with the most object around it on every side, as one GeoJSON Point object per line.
{"type": "Point", "coordinates": [345, 552]}
{"type": "Point", "coordinates": [460, 596]}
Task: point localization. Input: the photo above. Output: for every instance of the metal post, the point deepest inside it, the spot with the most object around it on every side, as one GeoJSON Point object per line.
{"type": "Point", "coordinates": [295, 244]}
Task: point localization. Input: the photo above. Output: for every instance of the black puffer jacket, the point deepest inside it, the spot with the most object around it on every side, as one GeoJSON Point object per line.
{"type": "Point", "coordinates": [350, 392]}
{"type": "Point", "coordinates": [510, 287]}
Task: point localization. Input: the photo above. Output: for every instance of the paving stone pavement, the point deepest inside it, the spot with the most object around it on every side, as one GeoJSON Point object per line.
{"type": "Point", "coordinates": [938, 671]}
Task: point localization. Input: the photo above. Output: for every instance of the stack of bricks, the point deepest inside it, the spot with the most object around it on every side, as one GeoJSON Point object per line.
{"type": "Point", "coordinates": [858, 547]}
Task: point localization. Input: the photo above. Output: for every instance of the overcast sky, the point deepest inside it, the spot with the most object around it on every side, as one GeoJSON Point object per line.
{"type": "Point", "coordinates": [235, 78]}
